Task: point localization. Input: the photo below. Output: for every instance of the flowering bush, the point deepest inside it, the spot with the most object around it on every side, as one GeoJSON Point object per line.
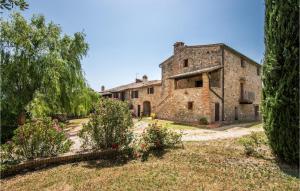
{"type": "Point", "coordinates": [155, 137]}
{"type": "Point", "coordinates": [109, 126]}
{"type": "Point", "coordinates": [40, 138]}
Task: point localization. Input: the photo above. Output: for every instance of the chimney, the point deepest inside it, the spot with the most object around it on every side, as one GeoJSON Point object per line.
{"type": "Point", "coordinates": [102, 88]}
{"type": "Point", "coordinates": [145, 78]}
{"type": "Point", "coordinates": [137, 80]}
{"type": "Point", "coordinates": [178, 46]}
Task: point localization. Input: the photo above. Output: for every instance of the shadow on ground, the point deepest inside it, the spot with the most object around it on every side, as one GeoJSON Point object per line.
{"type": "Point", "coordinates": [291, 170]}
{"type": "Point", "coordinates": [124, 159]}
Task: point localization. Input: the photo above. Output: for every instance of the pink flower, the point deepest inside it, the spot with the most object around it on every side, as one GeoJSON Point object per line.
{"type": "Point", "coordinates": [56, 127]}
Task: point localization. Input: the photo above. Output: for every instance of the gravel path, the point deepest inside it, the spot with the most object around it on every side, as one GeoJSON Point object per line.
{"type": "Point", "coordinates": [224, 132]}
{"type": "Point", "coordinates": [73, 129]}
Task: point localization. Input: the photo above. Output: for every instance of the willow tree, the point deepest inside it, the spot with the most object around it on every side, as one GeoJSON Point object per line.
{"type": "Point", "coordinates": [37, 59]}
{"type": "Point", "coordinates": [10, 4]}
{"type": "Point", "coordinates": [82, 104]}
{"type": "Point", "coordinates": [281, 78]}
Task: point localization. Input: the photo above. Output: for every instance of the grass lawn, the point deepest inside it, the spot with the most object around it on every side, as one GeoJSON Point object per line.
{"type": "Point", "coordinates": [170, 124]}
{"type": "Point", "coordinates": [211, 165]}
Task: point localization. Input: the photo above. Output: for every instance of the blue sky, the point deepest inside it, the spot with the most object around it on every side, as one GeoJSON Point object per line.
{"type": "Point", "coordinates": [132, 37]}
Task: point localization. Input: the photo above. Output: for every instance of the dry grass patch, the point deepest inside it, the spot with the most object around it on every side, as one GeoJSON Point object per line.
{"type": "Point", "coordinates": [213, 165]}
{"type": "Point", "coordinates": [170, 124]}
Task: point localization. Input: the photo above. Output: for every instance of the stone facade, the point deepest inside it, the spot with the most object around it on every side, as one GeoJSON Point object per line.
{"type": "Point", "coordinates": [212, 81]}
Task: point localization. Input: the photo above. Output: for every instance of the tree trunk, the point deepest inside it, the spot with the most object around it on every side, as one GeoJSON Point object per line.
{"type": "Point", "coordinates": [21, 118]}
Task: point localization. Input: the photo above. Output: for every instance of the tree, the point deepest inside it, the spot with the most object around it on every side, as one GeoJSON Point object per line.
{"type": "Point", "coordinates": [10, 4]}
{"type": "Point", "coordinates": [82, 103]}
{"type": "Point", "coordinates": [281, 78]}
{"type": "Point", "coordinates": [37, 59]}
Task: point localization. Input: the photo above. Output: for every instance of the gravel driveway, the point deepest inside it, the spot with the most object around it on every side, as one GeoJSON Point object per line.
{"type": "Point", "coordinates": [224, 132]}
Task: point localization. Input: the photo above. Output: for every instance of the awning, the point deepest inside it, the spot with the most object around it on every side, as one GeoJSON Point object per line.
{"type": "Point", "coordinates": [196, 72]}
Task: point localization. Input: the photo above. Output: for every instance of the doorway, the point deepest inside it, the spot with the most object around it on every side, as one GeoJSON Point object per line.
{"type": "Point", "coordinates": [236, 114]}
{"type": "Point", "coordinates": [146, 108]}
{"type": "Point", "coordinates": [139, 111]}
{"type": "Point", "coordinates": [217, 111]}
{"type": "Point", "coordinates": [256, 112]}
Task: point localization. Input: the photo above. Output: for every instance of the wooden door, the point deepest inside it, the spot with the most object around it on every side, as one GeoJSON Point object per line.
{"type": "Point", "coordinates": [217, 111]}
{"type": "Point", "coordinates": [236, 114]}
{"type": "Point", "coordinates": [139, 111]}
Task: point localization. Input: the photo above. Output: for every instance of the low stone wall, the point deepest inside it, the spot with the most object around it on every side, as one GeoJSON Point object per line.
{"type": "Point", "coordinates": [44, 162]}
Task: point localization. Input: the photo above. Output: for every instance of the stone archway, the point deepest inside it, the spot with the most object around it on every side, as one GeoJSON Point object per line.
{"type": "Point", "coordinates": [146, 108]}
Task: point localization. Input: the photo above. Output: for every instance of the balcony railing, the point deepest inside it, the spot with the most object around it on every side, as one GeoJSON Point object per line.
{"type": "Point", "coordinates": [247, 97]}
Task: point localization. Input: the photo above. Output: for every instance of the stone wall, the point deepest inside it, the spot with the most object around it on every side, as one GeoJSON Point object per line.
{"type": "Point", "coordinates": [144, 96]}
{"type": "Point", "coordinates": [198, 57]}
{"type": "Point", "coordinates": [176, 105]}
{"type": "Point", "coordinates": [233, 76]}
{"type": "Point", "coordinates": [188, 82]}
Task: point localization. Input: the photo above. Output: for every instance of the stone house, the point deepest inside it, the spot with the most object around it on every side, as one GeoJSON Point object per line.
{"type": "Point", "coordinates": [212, 81]}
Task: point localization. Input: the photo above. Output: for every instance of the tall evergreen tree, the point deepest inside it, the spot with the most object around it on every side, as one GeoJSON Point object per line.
{"type": "Point", "coordinates": [281, 78]}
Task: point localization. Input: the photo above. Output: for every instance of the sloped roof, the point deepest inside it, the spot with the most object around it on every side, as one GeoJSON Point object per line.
{"type": "Point", "coordinates": [133, 85]}
{"type": "Point", "coordinates": [216, 44]}
{"type": "Point", "coordinates": [196, 72]}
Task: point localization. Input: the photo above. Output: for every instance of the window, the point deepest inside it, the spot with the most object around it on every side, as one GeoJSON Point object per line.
{"type": "Point", "coordinates": [134, 94]}
{"type": "Point", "coordinates": [190, 105]}
{"type": "Point", "coordinates": [242, 90]}
{"type": "Point", "coordinates": [199, 83]}
{"type": "Point", "coordinates": [185, 63]}
{"type": "Point", "coordinates": [243, 64]}
{"type": "Point", "coordinates": [150, 90]}
{"type": "Point", "coordinates": [258, 70]}
{"type": "Point", "coordinates": [116, 95]}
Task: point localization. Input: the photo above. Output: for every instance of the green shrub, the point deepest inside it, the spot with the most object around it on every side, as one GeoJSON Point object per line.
{"type": "Point", "coordinates": [109, 126]}
{"type": "Point", "coordinates": [7, 132]}
{"type": "Point", "coordinates": [153, 116]}
{"type": "Point", "coordinates": [280, 93]}
{"type": "Point", "coordinates": [40, 138]}
{"type": "Point", "coordinates": [253, 144]}
{"type": "Point", "coordinates": [203, 121]}
{"type": "Point", "coordinates": [155, 137]}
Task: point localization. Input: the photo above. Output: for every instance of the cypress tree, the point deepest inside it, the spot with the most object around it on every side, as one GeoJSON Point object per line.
{"type": "Point", "coordinates": [280, 106]}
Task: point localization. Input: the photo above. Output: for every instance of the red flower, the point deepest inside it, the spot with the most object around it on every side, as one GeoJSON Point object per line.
{"type": "Point", "coordinates": [137, 155]}
{"type": "Point", "coordinates": [157, 143]}
{"type": "Point", "coordinates": [114, 146]}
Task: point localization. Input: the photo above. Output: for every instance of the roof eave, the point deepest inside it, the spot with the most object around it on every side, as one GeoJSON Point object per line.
{"type": "Point", "coordinates": [194, 73]}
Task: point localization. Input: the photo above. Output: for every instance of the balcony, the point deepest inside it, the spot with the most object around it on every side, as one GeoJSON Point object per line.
{"type": "Point", "coordinates": [247, 97]}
